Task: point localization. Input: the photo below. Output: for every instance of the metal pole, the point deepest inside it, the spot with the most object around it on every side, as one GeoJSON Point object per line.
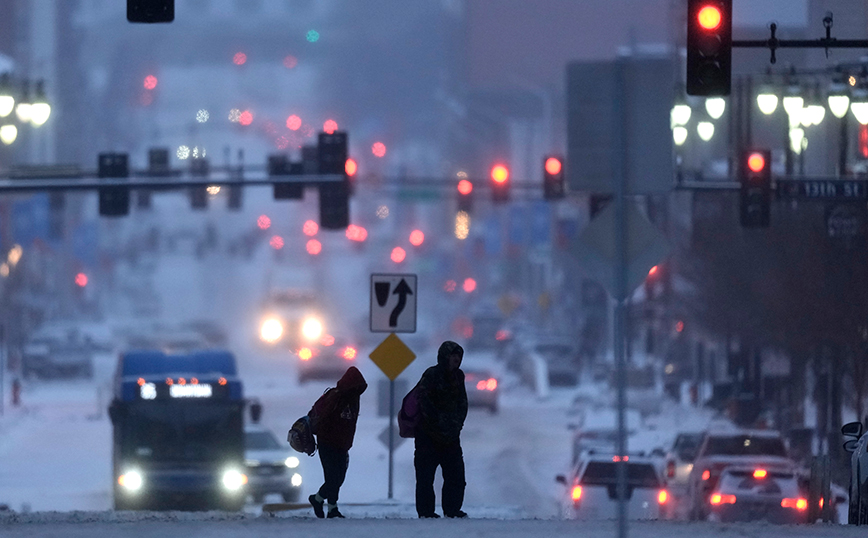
{"type": "Point", "coordinates": [619, 330]}
{"type": "Point", "coordinates": [2, 368]}
{"type": "Point", "coordinates": [391, 431]}
{"type": "Point", "coordinates": [843, 144]}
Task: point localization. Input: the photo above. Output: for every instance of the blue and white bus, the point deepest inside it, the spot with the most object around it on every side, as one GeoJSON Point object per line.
{"type": "Point", "coordinates": [178, 431]}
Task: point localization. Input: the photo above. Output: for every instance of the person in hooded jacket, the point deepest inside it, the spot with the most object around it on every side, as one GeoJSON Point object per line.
{"type": "Point", "coordinates": [443, 406]}
{"type": "Point", "coordinates": [333, 418]}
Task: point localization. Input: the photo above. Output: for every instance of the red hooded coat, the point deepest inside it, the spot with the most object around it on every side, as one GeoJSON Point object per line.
{"type": "Point", "coordinates": [336, 412]}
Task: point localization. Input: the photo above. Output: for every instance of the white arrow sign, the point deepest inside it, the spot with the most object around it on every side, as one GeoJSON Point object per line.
{"type": "Point", "coordinates": [393, 303]}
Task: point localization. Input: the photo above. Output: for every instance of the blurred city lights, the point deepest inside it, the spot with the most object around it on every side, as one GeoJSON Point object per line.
{"type": "Point", "coordinates": [239, 59]}
{"type": "Point", "coordinates": [330, 126]}
{"type": "Point", "coordinates": [653, 271]}
{"type": "Point", "coordinates": [310, 228]}
{"type": "Point", "coordinates": [313, 36]}
{"type": "Point", "coordinates": [500, 173]}
{"type": "Point", "coordinates": [378, 149]}
{"type": "Point", "coordinates": [8, 134]}
{"type": "Point", "coordinates": [417, 238]}
{"type": "Point", "coordinates": [313, 247]}
{"type": "Point", "coordinates": [150, 82]}
{"type": "Point", "coordinates": [4, 269]}
{"type": "Point", "coordinates": [679, 326]}
{"type": "Point", "coordinates": [281, 142]}
{"type": "Point", "coordinates": [553, 165]}
{"type": "Point", "coordinates": [293, 123]}
{"type": "Point", "coordinates": [398, 254]}
{"type": "Point", "coordinates": [462, 225]}
{"type": "Point", "coordinates": [81, 280]}
{"type": "Point", "coordinates": [213, 190]}
{"type": "Point", "coordinates": [15, 254]}
{"type": "Point", "coordinates": [469, 285]}
{"type": "Point", "coordinates": [202, 116]}
{"type": "Point", "coordinates": [382, 212]}
{"type": "Point", "coordinates": [276, 242]}
{"type": "Point", "coordinates": [327, 340]}
{"type": "Point", "coordinates": [356, 233]}
{"type": "Point", "coordinates": [246, 118]}
{"type": "Point", "coordinates": [450, 286]}
{"type": "Point", "coordinates": [461, 174]}
{"type": "Point", "coordinates": [263, 222]}
{"type": "Point", "coordinates": [305, 353]}
{"type": "Point", "coordinates": [349, 353]}
{"type": "Point", "coordinates": [234, 115]}
{"type": "Point", "coordinates": [183, 152]}
{"type": "Point", "coordinates": [351, 167]}
{"type": "Point", "coordinates": [465, 187]}
{"type": "Point", "coordinates": [290, 61]}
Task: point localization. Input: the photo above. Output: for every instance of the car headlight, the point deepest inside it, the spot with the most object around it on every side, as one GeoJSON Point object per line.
{"type": "Point", "coordinates": [296, 480]}
{"type": "Point", "coordinates": [131, 480]}
{"type": "Point", "coordinates": [233, 480]}
{"type": "Point", "coordinates": [291, 462]}
{"type": "Point", "coordinates": [311, 328]}
{"type": "Point", "coordinates": [271, 330]}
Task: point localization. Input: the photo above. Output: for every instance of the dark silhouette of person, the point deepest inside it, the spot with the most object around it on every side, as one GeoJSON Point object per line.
{"type": "Point", "coordinates": [443, 406]}
{"type": "Point", "coordinates": [333, 420]}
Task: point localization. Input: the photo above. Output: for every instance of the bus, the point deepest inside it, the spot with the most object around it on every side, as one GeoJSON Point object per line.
{"type": "Point", "coordinates": [178, 432]}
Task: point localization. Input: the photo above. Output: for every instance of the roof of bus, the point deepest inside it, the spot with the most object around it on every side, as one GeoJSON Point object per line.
{"type": "Point", "coordinates": [155, 362]}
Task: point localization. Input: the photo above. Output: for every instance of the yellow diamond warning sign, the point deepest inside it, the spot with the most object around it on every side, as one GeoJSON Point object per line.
{"type": "Point", "coordinates": [392, 356]}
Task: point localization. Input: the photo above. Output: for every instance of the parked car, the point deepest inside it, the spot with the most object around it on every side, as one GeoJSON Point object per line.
{"type": "Point", "coordinates": [482, 389]}
{"type": "Point", "coordinates": [52, 357]}
{"type": "Point", "coordinates": [591, 491]}
{"type": "Point", "coordinates": [679, 461]}
{"type": "Point", "coordinates": [749, 493]}
{"type": "Point", "coordinates": [271, 466]}
{"type": "Point", "coordinates": [328, 359]}
{"type": "Point", "coordinates": [598, 431]}
{"type": "Point", "coordinates": [718, 450]}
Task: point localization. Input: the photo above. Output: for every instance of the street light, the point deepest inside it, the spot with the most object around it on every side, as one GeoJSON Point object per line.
{"type": "Point", "coordinates": [679, 135]}
{"type": "Point", "coordinates": [8, 134]}
{"type": "Point", "coordinates": [715, 106]}
{"type": "Point", "coordinates": [839, 101]}
{"type": "Point", "coordinates": [40, 109]}
{"type": "Point", "coordinates": [705, 130]}
{"type": "Point", "coordinates": [859, 106]}
{"type": "Point", "coordinates": [767, 100]}
{"type": "Point", "coordinates": [680, 114]}
{"type": "Point", "coordinates": [7, 101]}
{"type": "Point", "coordinates": [22, 109]}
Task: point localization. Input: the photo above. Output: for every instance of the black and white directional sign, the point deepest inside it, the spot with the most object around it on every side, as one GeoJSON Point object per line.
{"type": "Point", "coordinates": [393, 303]}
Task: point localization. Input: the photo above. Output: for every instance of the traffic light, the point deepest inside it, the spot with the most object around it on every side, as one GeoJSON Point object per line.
{"type": "Point", "coordinates": [499, 183]}
{"type": "Point", "coordinates": [553, 178]}
{"type": "Point", "coordinates": [465, 195]}
{"type": "Point", "coordinates": [334, 202]}
{"type": "Point", "coordinates": [755, 176]}
{"type": "Point", "coordinates": [114, 200]}
{"type": "Point", "coordinates": [150, 10]}
{"type": "Point", "coordinates": [709, 47]}
{"type": "Point", "coordinates": [279, 165]}
{"type": "Point", "coordinates": [199, 194]}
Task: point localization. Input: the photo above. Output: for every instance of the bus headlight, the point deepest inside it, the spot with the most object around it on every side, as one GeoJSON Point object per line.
{"type": "Point", "coordinates": [271, 331]}
{"type": "Point", "coordinates": [233, 480]}
{"type": "Point", "coordinates": [296, 480]}
{"type": "Point", "coordinates": [291, 462]}
{"type": "Point", "coordinates": [311, 329]}
{"type": "Point", "coordinates": [131, 481]}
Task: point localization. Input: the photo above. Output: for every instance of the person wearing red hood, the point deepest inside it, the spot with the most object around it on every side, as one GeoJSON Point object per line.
{"type": "Point", "coordinates": [333, 420]}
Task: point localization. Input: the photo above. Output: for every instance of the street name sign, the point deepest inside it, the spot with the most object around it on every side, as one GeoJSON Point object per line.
{"type": "Point", "coordinates": [393, 303]}
{"type": "Point", "coordinates": [825, 189]}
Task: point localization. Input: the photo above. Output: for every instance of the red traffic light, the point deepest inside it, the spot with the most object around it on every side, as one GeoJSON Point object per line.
{"type": "Point", "coordinates": [500, 174]}
{"type": "Point", "coordinates": [351, 167]}
{"type": "Point", "coordinates": [465, 187]}
{"type": "Point", "coordinates": [710, 18]}
{"type": "Point", "coordinates": [553, 166]}
{"type": "Point", "coordinates": [81, 280]}
{"type": "Point", "coordinates": [756, 162]}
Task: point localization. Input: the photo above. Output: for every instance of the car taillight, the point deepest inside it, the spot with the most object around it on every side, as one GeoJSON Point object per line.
{"type": "Point", "coordinates": [662, 496]}
{"type": "Point", "coordinates": [760, 473]}
{"type": "Point", "coordinates": [349, 353]}
{"type": "Point", "coordinates": [718, 498]}
{"type": "Point", "coordinates": [798, 504]}
{"type": "Point", "coordinates": [706, 474]}
{"type": "Point", "coordinates": [577, 493]}
{"type": "Point", "coordinates": [491, 384]}
{"type": "Point", "coordinates": [305, 353]}
{"type": "Point", "coordinates": [670, 469]}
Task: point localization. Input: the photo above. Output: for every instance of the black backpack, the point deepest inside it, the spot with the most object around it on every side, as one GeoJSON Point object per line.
{"type": "Point", "coordinates": [300, 436]}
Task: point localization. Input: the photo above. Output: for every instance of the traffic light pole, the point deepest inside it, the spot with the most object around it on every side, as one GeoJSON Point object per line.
{"type": "Point", "coordinates": [828, 42]}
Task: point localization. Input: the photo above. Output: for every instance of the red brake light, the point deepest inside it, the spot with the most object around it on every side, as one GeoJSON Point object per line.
{"type": "Point", "coordinates": [662, 496]}
{"type": "Point", "coordinates": [719, 498]}
{"type": "Point", "coordinates": [305, 353]}
{"type": "Point", "coordinates": [706, 474]}
{"type": "Point", "coordinates": [349, 353]}
{"type": "Point", "coordinates": [491, 384]}
{"type": "Point", "coordinates": [619, 458]}
{"type": "Point", "coordinates": [798, 504]}
{"type": "Point", "coordinates": [577, 493]}
{"type": "Point", "coordinates": [760, 473]}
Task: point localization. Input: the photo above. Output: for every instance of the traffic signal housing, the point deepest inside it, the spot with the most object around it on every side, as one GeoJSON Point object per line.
{"type": "Point", "coordinates": [553, 178]}
{"type": "Point", "coordinates": [709, 47]}
{"type": "Point", "coordinates": [755, 176]}
{"type": "Point", "coordinates": [199, 168]}
{"type": "Point", "coordinates": [334, 198]}
{"type": "Point", "coordinates": [500, 185]}
{"type": "Point", "coordinates": [465, 196]}
{"type": "Point", "coordinates": [114, 200]}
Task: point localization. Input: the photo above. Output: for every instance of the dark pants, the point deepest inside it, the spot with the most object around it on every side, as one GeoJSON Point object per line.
{"type": "Point", "coordinates": [449, 457]}
{"type": "Point", "coordinates": [334, 469]}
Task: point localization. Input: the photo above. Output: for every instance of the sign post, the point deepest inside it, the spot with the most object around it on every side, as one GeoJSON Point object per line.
{"type": "Point", "coordinates": [393, 310]}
